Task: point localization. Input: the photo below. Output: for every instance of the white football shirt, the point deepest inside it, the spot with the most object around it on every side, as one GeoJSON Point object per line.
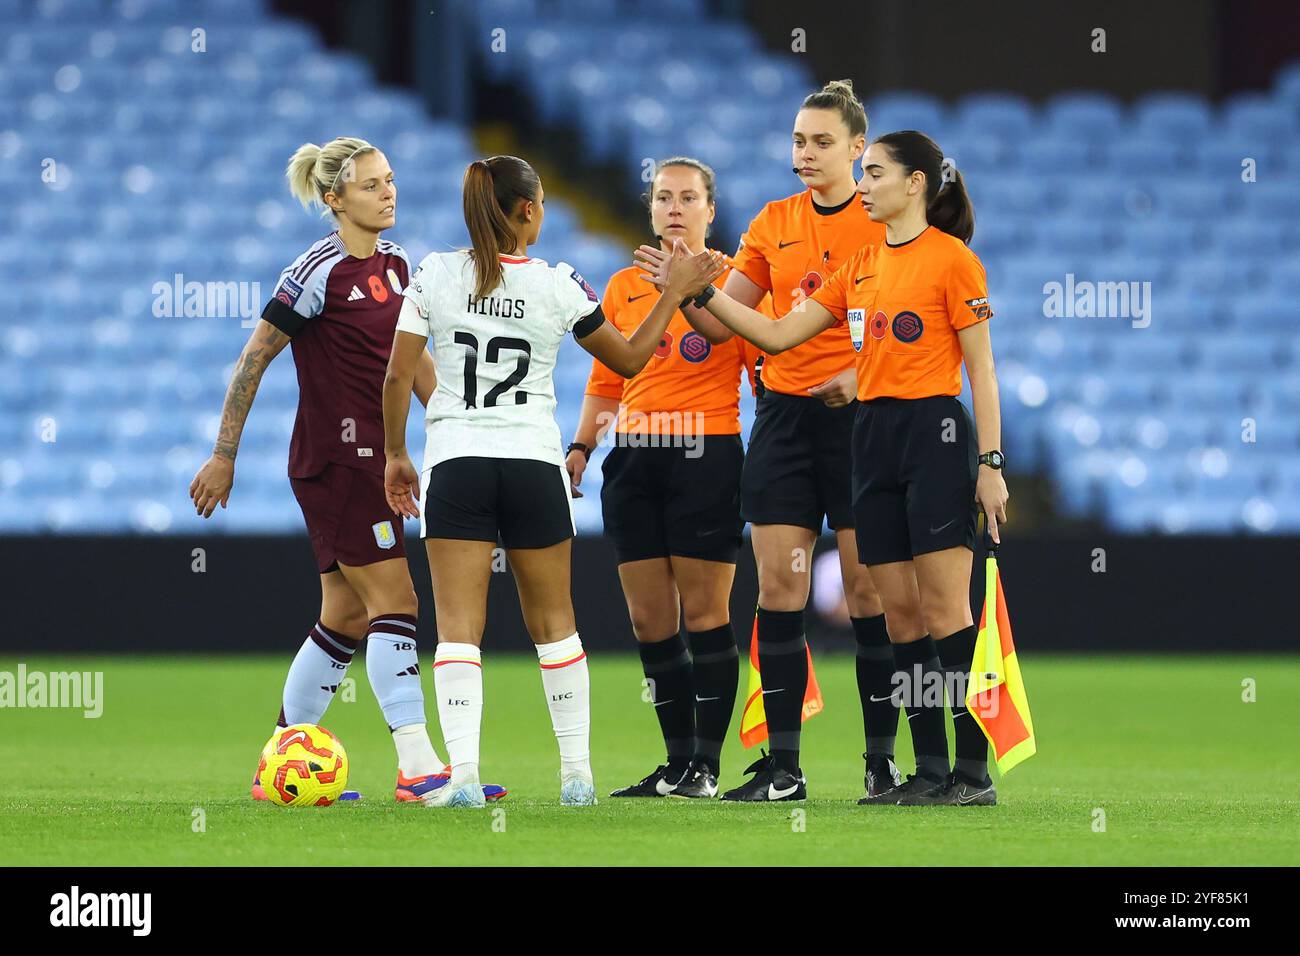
{"type": "Point", "coordinates": [494, 356]}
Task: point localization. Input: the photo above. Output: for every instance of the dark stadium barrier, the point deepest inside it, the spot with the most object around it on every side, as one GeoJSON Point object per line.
{"type": "Point", "coordinates": [1083, 593]}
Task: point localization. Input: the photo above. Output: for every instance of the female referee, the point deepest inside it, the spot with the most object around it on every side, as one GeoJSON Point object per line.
{"type": "Point", "coordinates": [915, 307]}
{"type": "Point", "coordinates": [492, 463]}
{"type": "Point", "coordinates": [671, 497]}
{"type": "Point", "coordinates": [338, 304]}
{"type": "Point", "coordinates": [797, 465]}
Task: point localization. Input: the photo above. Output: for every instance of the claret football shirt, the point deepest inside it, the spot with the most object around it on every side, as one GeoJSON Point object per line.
{"type": "Point", "coordinates": [340, 312]}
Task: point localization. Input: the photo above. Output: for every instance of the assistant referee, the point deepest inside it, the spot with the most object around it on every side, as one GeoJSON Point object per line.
{"type": "Point", "coordinates": [916, 306]}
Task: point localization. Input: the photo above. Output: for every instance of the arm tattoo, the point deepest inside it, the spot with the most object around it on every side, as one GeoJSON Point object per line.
{"type": "Point", "coordinates": [243, 388]}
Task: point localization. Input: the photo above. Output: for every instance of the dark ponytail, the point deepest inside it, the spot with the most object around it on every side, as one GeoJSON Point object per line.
{"type": "Point", "coordinates": [947, 204]}
{"type": "Point", "coordinates": [492, 189]}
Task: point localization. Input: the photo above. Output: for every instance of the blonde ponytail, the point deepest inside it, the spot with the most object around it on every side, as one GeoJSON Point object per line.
{"type": "Point", "coordinates": [315, 170]}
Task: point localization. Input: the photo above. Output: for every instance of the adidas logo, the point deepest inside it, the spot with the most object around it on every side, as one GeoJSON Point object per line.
{"type": "Point", "coordinates": [412, 671]}
{"type": "Point", "coordinates": [355, 294]}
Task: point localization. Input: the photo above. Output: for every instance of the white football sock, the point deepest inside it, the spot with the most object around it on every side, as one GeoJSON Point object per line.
{"type": "Point", "coordinates": [458, 682]}
{"type": "Point", "coordinates": [393, 663]}
{"type": "Point", "coordinates": [568, 695]}
{"type": "Point", "coordinates": [416, 755]}
{"type": "Point", "coordinates": [315, 674]}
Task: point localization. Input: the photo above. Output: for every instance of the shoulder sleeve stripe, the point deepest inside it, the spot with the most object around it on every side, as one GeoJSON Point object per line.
{"type": "Point", "coordinates": [313, 256]}
{"type": "Point", "coordinates": [332, 257]}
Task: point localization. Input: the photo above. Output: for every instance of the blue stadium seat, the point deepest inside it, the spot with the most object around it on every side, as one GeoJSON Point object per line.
{"type": "Point", "coordinates": [1181, 118]}
{"type": "Point", "coordinates": [1138, 427]}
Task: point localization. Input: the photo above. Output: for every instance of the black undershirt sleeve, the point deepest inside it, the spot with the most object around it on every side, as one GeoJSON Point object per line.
{"type": "Point", "coordinates": [284, 318]}
{"type": "Point", "coordinates": [585, 326]}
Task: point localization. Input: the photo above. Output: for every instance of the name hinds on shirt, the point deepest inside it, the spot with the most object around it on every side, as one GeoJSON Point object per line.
{"type": "Point", "coordinates": [496, 306]}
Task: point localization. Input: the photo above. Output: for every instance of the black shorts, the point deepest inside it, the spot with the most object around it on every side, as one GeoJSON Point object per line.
{"type": "Point", "coordinates": [348, 518]}
{"type": "Point", "coordinates": [915, 463]}
{"type": "Point", "coordinates": [798, 468]}
{"type": "Point", "coordinates": [520, 501]}
{"type": "Point", "coordinates": [658, 502]}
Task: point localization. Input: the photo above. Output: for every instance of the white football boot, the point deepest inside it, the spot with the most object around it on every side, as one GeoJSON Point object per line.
{"type": "Point", "coordinates": [577, 790]}
{"type": "Point", "coordinates": [463, 793]}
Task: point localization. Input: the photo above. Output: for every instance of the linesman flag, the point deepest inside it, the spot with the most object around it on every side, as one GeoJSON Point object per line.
{"type": "Point", "coordinates": [753, 720]}
{"type": "Point", "coordinates": [995, 694]}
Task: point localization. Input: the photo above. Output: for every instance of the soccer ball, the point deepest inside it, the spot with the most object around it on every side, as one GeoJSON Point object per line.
{"type": "Point", "coordinates": [303, 765]}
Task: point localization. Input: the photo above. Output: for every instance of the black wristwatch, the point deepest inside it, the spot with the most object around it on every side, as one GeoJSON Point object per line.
{"type": "Point", "coordinates": [578, 446]}
{"type": "Point", "coordinates": [994, 459]}
{"type": "Point", "coordinates": [700, 300]}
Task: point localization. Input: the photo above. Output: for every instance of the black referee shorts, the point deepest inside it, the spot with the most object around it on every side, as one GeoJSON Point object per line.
{"type": "Point", "coordinates": [521, 501]}
{"type": "Point", "coordinates": [798, 468]}
{"type": "Point", "coordinates": [914, 467]}
{"type": "Point", "coordinates": [658, 502]}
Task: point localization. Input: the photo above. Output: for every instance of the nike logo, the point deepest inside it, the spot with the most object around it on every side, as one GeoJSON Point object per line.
{"type": "Point", "coordinates": [705, 534]}
{"type": "Point", "coordinates": [860, 278]}
{"type": "Point", "coordinates": [877, 700]}
{"type": "Point", "coordinates": [917, 714]}
{"type": "Point", "coordinates": [777, 691]}
{"type": "Point", "coordinates": [660, 703]}
{"type": "Point", "coordinates": [296, 737]}
{"type": "Point", "coordinates": [633, 298]}
{"type": "Point", "coordinates": [775, 794]}
{"type": "Point", "coordinates": [782, 245]}
{"type": "Point", "coordinates": [703, 699]}
{"type": "Point", "coordinates": [973, 796]}
{"type": "Point", "coordinates": [942, 526]}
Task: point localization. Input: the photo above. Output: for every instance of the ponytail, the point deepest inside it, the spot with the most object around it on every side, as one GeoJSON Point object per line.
{"type": "Point", "coordinates": [951, 210]}
{"type": "Point", "coordinates": [492, 190]}
{"type": "Point", "coordinates": [947, 204]}
{"type": "Point", "coordinates": [315, 170]}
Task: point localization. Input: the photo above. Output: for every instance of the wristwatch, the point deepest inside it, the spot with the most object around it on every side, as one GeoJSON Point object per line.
{"type": "Point", "coordinates": [994, 459]}
{"type": "Point", "coordinates": [579, 446]}
{"type": "Point", "coordinates": [700, 300]}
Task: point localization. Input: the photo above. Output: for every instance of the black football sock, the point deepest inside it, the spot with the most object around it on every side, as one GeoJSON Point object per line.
{"type": "Point", "coordinates": [875, 667]}
{"type": "Point", "coordinates": [921, 680]}
{"type": "Point", "coordinates": [717, 672]}
{"type": "Point", "coordinates": [667, 665]}
{"type": "Point", "coordinates": [972, 747]}
{"type": "Point", "coordinates": [783, 659]}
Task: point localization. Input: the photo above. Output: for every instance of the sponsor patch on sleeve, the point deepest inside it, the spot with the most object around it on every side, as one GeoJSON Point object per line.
{"type": "Point", "coordinates": [288, 292]}
{"type": "Point", "coordinates": [586, 287]}
{"type": "Point", "coordinates": [980, 307]}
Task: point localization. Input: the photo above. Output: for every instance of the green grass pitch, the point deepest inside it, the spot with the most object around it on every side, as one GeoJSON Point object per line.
{"type": "Point", "coordinates": [1183, 769]}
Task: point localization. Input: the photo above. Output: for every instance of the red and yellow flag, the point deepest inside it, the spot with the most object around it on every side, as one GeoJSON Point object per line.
{"type": "Point", "coordinates": [995, 694]}
{"type": "Point", "coordinates": [753, 720]}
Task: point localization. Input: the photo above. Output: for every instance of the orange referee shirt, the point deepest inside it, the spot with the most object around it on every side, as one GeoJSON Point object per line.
{"type": "Point", "coordinates": [902, 307]}
{"type": "Point", "coordinates": [791, 249]}
{"type": "Point", "coordinates": [687, 377]}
